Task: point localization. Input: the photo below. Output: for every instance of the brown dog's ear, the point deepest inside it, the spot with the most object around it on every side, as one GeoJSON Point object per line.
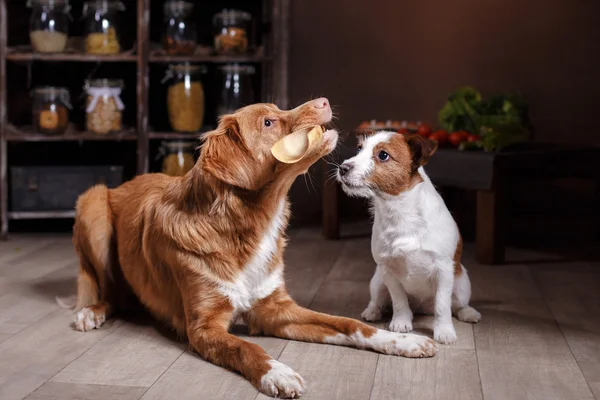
{"type": "Point", "coordinates": [421, 148]}
{"type": "Point", "coordinates": [226, 156]}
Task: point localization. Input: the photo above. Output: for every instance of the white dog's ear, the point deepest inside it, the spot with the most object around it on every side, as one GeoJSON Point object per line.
{"type": "Point", "coordinates": [421, 148]}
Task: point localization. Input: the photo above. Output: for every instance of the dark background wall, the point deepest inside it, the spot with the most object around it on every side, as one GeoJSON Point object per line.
{"type": "Point", "coordinates": [388, 59]}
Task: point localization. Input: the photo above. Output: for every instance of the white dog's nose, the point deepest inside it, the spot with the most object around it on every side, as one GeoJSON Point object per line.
{"type": "Point", "coordinates": [321, 103]}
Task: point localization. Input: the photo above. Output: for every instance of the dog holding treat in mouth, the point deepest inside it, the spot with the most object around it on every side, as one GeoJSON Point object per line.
{"type": "Point", "coordinates": [416, 243]}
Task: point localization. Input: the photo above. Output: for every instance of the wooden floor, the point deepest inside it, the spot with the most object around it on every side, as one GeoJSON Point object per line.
{"type": "Point", "coordinates": [539, 338]}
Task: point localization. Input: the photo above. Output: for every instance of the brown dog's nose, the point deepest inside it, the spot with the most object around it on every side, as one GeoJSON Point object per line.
{"type": "Point", "coordinates": [345, 167]}
{"type": "Point", "coordinates": [321, 102]}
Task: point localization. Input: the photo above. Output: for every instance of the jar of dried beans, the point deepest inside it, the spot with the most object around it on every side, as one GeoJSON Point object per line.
{"type": "Point", "coordinates": [178, 157]}
{"type": "Point", "coordinates": [50, 112]}
{"type": "Point", "coordinates": [102, 30]}
{"type": "Point", "coordinates": [104, 110]}
{"type": "Point", "coordinates": [179, 37]}
{"type": "Point", "coordinates": [231, 31]}
{"type": "Point", "coordinates": [185, 97]}
{"type": "Point", "coordinates": [49, 25]}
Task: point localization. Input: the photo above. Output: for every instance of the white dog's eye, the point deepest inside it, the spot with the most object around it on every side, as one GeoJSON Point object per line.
{"type": "Point", "coordinates": [383, 156]}
{"type": "Point", "coordinates": [358, 149]}
{"type": "Point", "coordinates": [268, 122]}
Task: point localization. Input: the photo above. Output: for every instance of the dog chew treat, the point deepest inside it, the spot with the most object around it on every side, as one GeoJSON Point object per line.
{"type": "Point", "coordinates": [293, 147]}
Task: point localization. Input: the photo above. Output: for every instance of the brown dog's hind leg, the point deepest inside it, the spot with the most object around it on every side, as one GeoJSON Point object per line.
{"type": "Point", "coordinates": [278, 315]}
{"type": "Point", "coordinates": [92, 236]}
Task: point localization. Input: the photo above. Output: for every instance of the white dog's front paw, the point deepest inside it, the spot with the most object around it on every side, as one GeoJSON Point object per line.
{"type": "Point", "coordinates": [282, 381]}
{"type": "Point", "coordinates": [87, 319]}
{"type": "Point", "coordinates": [468, 314]}
{"type": "Point", "coordinates": [444, 334]}
{"type": "Point", "coordinates": [402, 344]}
{"type": "Point", "coordinates": [401, 325]}
{"type": "Point", "coordinates": [371, 313]}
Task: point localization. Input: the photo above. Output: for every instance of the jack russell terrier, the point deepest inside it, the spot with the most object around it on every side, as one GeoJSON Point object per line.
{"type": "Point", "coordinates": [415, 243]}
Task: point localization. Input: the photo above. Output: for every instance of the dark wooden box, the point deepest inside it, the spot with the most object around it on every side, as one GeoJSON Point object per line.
{"type": "Point", "coordinates": [57, 188]}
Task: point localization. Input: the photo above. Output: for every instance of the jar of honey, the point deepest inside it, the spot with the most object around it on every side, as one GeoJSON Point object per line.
{"type": "Point", "coordinates": [178, 157]}
{"type": "Point", "coordinates": [185, 97]}
{"type": "Point", "coordinates": [50, 112]}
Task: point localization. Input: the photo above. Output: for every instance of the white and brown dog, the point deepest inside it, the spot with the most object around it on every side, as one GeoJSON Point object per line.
{"type": "Point", "coordinates": [200, 250]}
{"type": "Point", "coordinates": [415, 243]}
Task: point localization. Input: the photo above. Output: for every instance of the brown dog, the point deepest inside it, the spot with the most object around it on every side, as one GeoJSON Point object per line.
{"type": "Point", "coordinates": [199, 250]}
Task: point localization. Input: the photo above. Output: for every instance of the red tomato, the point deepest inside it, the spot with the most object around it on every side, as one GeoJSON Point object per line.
{"type": "Point", "coordinates": [440, 136]}
{"type": "Point", "coordinates": [364, 125]}
{"type": "Point", "coordinates": [473, 138]}
{"type": "Point", "coordinates": [403, 131]}
{"type": "Point", "coordinates": [455, 139]}
{"type": "Point", "coordinates": [464, 135]}
{"type": "Point", "coordinates": [424, 130]}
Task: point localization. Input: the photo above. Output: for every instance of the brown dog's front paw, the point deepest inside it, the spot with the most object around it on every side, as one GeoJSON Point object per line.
{"type": "Point", "coordinates": [88, 318]}
{"type": "Point", "coordinates": [282, 381]}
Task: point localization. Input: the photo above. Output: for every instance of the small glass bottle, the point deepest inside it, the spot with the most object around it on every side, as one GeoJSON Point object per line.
{"type": "Point", "coordinates": [185, 97]}
{"type": "Point", "coordinates": [102, 32]}
{"type": "Point", "coordinates": [49, 25]}
{"type": "Point", "coordinates": [50, 111]}
{"type": "Point", "coordinates": [237, 88]}
{"type": "Point", "coordinates": [104, 111]}
{"type": "Point", "coordinates": [179, 37]}
{"type": "Point", "coordinates": [231, 31]}
{"type": "Point", "coordinates": [178, 157]}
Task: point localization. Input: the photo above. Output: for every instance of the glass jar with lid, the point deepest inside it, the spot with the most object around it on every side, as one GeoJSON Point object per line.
{"type": "Point", "coordinates": [49, 25]}
{"type": "Point", "coordinates": [179, 36]}
{"type": "Point", "coordinates": [178, 157]}
{"type": "Point", "coordinates": [237, 87]}
{"type": "Point", "coordinates": [104, 111]}
{"type": "Point", "coordinates": [185, 96]}
{"type": "Point", "coordinates": [102, 26]}
{"type": "Point", "coordinates": [50, 111]}
{"type": "Point", "coordinates": [231, 31]}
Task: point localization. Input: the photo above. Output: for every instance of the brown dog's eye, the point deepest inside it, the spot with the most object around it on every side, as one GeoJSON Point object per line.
{"type": "Point", "coordinates": [268, 122]}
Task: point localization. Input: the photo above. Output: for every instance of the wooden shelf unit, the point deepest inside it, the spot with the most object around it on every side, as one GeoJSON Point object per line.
{"type": "Point", "coordinates": [272, 56]}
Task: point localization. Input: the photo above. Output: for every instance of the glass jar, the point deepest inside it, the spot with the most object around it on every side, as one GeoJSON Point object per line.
{"type": "Point", "coordinates": [178, 157]}
{"type": "Point", "coordinates": [231, 31]}
{"type": "Point", "coordinates": [102, 27]}
{"type": "Point", "coordinates": [185, 97]}
{"type": "Point", "coordinates": [50, 111]}
{"type": "Point", "coordinates": [104, 111]}
{"type": "Point", "coordinates": [237, 88]}
{"type": "Point", "coordinates": [49, 25]}
{"type": "Point", "coordinates": [179, 37]}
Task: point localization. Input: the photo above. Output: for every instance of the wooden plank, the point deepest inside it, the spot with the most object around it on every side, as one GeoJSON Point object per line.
{"type": "Point", "coordinates": [190, 377]}
{"type": "Point", "coordinates": [32, 356]}
{"type": "Point", "coordinates": [451, 374]}
{"type": "Point", "coordinates": [331, 372]}
{"type": "Point", "coordinates": [521, 352]}
{"type": "Point", "coordinates": [355, 263]}
{"type": "Point", "coordinates": [571, 291]}
{"type": "Point", "coordinates": [18, 245]}
{"type": "Point", "coordinates": [4, 336]}
{"type": "Point", "coordinates": [133, 355]}
{"type": "Point", "coordinates": [307, 263]}
{"type": "Point", "coordinates": [69, 391]}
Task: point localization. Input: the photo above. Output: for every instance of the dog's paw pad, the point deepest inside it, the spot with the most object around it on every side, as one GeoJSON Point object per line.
{"type": "Point", "coordinates": [282, 381]}
{"type": "Point", "coordinates": [87, 319]}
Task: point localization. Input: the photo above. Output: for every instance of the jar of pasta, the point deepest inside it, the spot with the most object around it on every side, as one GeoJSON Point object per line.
{"type": "Point", "coordinates": [101, 27]}
{"type": "Point", "coordinates": [179, 37]}
{"type": "Point", "coordinates": [49, 25]}
{"type": "Point", "coordinates": [237, 87]}
{"type": "Point", "coordinates": [231, 31]}
{"type": "Point", "coordinates": [178, 157]}
{"type": "Point", "coordinates": [104, 110]}
{"type": "Point", "coordinates": [50, 111]}
{"type": "Point", "coordinates": [185, 97]}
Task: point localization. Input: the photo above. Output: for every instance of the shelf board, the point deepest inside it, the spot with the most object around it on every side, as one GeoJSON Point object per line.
{"type": "Point", "coordinates": [176, 135]}
{"type": "Point", "coordinates": [24, 56]}
{"type": "Point", "coordinates": [205, 54]}
{"type": "Point", "coordinates": [41, 214]}
{"type": "Point", "coordinates": [27, 134]}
